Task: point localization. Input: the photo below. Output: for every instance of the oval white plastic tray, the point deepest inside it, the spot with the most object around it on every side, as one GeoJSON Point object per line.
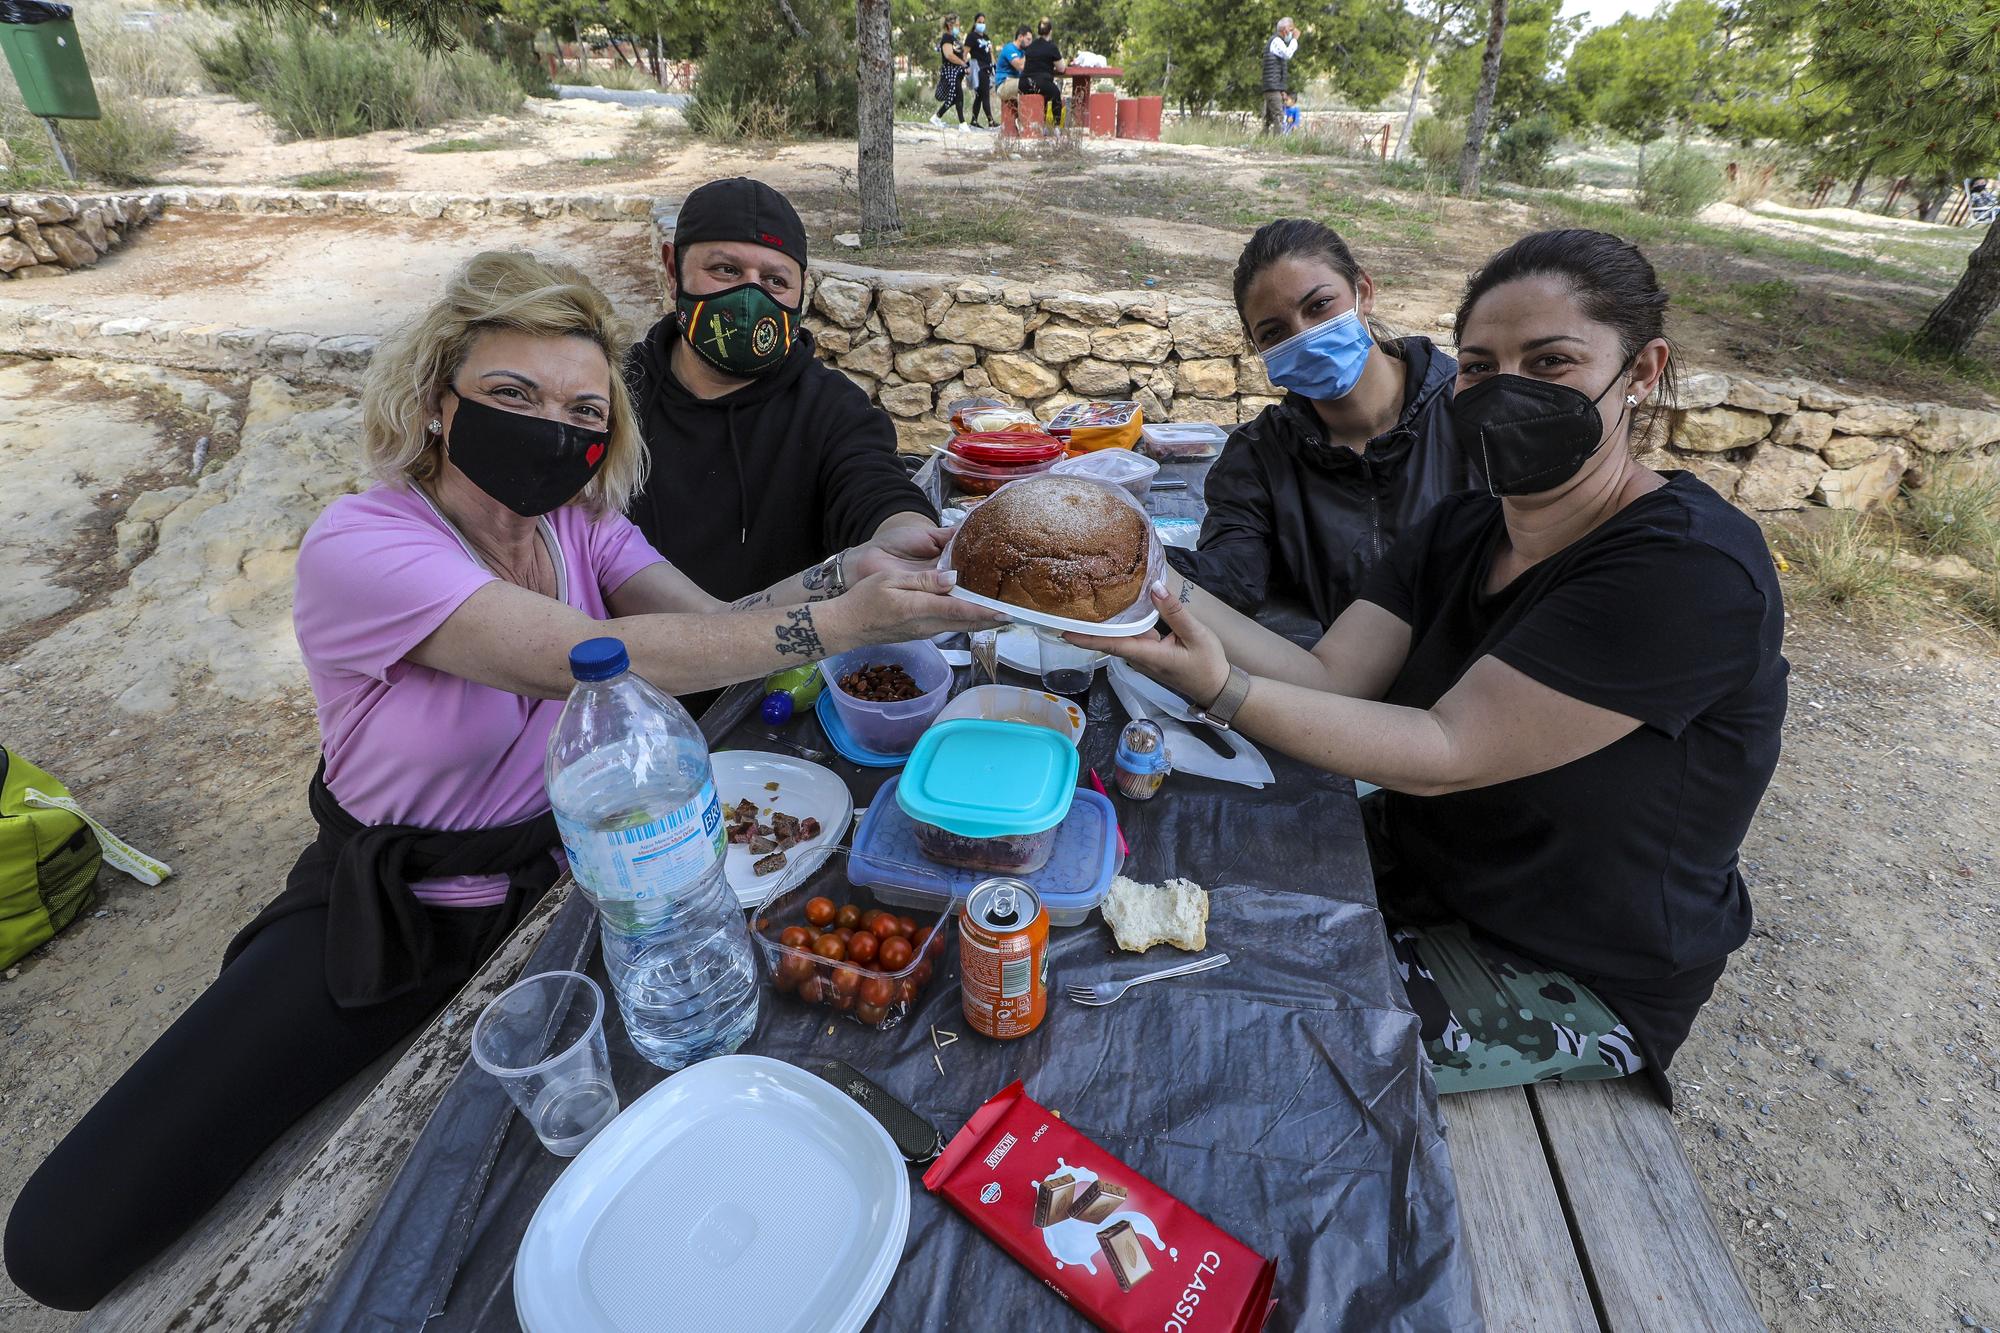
{"type": "Point", "coordinates": [743, 1192]}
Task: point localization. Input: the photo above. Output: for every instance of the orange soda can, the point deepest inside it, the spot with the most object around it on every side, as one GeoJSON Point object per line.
{"type": "Point", "coordinates": [1003, 958]}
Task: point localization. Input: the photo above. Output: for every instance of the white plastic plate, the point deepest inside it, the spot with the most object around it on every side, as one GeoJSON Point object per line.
{"type": "Point", "coordinates": [1120, 628]}
{"type": "Point", "coordinates": [742, 1193]}
{"type": "Point", "coordinates": [803, 789]}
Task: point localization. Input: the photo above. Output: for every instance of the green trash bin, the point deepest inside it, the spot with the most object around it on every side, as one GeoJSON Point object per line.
{"type": "Point", "coordinates": [46, 56]}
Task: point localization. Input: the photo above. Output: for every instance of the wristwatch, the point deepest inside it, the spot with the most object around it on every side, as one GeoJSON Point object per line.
{"type": "Point", "coordinates": [1234, 691]}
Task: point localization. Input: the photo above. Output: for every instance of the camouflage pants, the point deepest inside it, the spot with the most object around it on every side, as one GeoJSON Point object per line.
{"type": "Point", "coordinates": [1494, 1019]}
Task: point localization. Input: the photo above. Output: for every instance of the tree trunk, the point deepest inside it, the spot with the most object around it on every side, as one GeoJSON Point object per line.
{"type": "Point", "coordinates": [876, 113]}
{"type": "Point", "coordinates": [1410, 116]}
{"type": "Point", "coordinates": [1960, 316]}
{"type": "Point", "coordinates": [1861, 182]}
{"type": "Point", "coordinates": [821, 96]}
{"type": "Point", "coordinates": [1931, 202]}
{"type": "Point", "coordinates": [1482, 103]}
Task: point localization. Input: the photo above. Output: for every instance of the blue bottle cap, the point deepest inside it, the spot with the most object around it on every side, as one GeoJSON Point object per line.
{"type": "Point", "coordinates": [598, 659]}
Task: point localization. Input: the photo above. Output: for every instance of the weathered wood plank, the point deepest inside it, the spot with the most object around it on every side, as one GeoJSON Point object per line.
{"type": "Point", "coordinates": [1643, 1228]}
{"type": "Point", "coordinates": [295, 1234]}
{"type": "Point", "coordinates": [1523, 1260]}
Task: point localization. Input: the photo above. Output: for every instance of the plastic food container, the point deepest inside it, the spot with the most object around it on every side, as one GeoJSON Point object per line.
{"type": "Point", "coordinates": [890, 728]}
{"type": "Point", "coordinates": [1087, 427]}
{"type": "Point", "coordinates": [986, 478]}
{"type": "Point", "coordinates": [1113, 467]}
{"type": "Point", "coordinates": [1072, 883]}
{"type": "Point", "coordinates": [863, 989]}
{"type": "Point", "coordinates": [988, 795]}
{"type": "Point", "coordinates": [1012, 703]}
{"type": "Point", "coordinates": [1005, 448]}
{"type": "Point", "coordinates": [1180, 441]}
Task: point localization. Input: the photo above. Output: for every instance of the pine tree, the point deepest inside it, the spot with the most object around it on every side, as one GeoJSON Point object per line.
{"type": "Point", "coordinates": [1913, 87]}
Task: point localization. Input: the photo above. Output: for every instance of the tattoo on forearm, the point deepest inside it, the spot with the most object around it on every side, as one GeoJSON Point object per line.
{"type": "Point", "coordinates": [752, 602]}
{"type": "Point", "coordinates": [797, 637]}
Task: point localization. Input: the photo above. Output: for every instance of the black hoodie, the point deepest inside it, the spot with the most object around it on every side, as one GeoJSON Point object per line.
{"type": "Point", "coordinates": [758, 484]}
{"type": "Point", "coordinates": [1293, 516]}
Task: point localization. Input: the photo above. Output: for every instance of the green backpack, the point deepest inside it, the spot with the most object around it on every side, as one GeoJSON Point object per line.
{"type": "Point", "coordinates": [48, 861]}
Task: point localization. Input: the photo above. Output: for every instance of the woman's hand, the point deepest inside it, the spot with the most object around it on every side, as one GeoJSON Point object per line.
{"type": "Point", "coordinates": [1190, 660]}
{"type": "Point", "coordinates": [900, 550]}
{"type": "Point", "coordinates": [897, 607]}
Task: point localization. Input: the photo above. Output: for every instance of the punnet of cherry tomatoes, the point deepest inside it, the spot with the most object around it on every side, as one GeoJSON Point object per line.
{"type": "Point", "coordinates": [835, 944]}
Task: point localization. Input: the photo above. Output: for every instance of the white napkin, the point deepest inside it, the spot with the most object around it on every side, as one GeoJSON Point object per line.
{"type": "Point", "coordinates": [1144, 698]}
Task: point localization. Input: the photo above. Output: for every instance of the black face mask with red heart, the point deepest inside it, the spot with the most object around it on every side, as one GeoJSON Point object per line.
{"type": "Point", "coordinates": [530, 464]}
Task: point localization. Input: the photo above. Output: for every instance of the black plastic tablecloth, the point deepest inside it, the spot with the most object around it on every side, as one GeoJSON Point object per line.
{"type": "Point", "coordinates": [1282, 1095]}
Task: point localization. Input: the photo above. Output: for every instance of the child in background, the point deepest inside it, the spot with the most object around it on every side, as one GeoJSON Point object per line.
{"type": "Point", "coordinates": [1291, 112]}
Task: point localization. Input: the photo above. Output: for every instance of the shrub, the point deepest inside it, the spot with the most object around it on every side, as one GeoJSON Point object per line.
{"type": "Point", "coordinates": [1957, 514]}
{"type": "Point", "coordinates": [1438, 143]}
{"type": "Point", "coordinates": [913, 96]}
{"type": "Point", "coordinates": [1679, 182]}
{"type": "Point", "coordinates": [1521, 154]}
{"type": "Point", "coordinates": [153, 55]}
{"type": "Point", "coordinates": [128, 146]}
{"type": "Point", "coordinates": [324, 83]}
{"type": "Point", "coordinates": [1840, 565]}
{"type": "Point", "coordinates": [758, 80]}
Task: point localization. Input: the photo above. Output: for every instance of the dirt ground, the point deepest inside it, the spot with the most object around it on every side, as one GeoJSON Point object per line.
{"type": "Point", "coordinates": [1840, 1096]}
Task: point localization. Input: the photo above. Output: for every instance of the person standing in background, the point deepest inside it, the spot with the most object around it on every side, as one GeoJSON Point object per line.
{"type": "Point", "coordinates": [980, 48]}
{"type": "Point", "coordinates": [1277, 73]}
{"type": "Point", "coordinates": [951, 73]}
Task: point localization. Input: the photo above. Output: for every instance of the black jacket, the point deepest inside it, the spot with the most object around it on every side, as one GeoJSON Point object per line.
{"type": "Point", "coordinates": [380, 944]}
{"type": "Point", "coordinates": [760, 483]}
{"type": "Point", "coordinates": [1291, 516]}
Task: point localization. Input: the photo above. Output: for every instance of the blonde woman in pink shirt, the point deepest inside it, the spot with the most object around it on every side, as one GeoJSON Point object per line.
{"type": "Point", "coordinates": [435, 613]}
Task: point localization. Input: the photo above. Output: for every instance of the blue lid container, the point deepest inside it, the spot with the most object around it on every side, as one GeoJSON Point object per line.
{"type": "Point", "coordinates": [981, 779]}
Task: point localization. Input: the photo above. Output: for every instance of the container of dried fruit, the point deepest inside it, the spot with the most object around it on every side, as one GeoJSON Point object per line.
{"type": "Point", "coordinates": [889, 726]}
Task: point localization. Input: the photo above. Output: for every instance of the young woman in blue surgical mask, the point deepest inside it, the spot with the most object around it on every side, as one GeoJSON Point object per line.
{"type": "Point", "coordinates": [1310, 495]}
{"type": "Point", "coordinates": [1569, 685]}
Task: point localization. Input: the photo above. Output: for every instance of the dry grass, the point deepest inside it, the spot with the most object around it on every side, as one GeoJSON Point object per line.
{"type": "Point", "coordinates": [1845, 562]}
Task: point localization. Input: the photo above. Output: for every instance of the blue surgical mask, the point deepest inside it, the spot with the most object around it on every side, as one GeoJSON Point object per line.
{"type": "Point", "coordinates": [979, 27]}
{"type": "Point", "coordinates": [1324, 362]}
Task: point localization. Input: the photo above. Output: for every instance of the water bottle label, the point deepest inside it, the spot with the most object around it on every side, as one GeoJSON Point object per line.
{"type": "Point", "coordinates": [651, 859]}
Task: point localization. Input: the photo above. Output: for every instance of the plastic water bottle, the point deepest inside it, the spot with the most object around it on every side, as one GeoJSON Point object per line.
{"type": "Point", "coordinates": [635, 800]}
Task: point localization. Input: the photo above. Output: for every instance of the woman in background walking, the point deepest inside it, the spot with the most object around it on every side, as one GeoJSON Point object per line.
{"type": "Point", "coordinates": [951, 73]}
{"type": "Point", "coordinates": [980, 48]}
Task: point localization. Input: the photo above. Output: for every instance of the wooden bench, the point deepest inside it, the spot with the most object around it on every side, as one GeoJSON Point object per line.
{"type": "Point", "coordinates": [1581, 1212]}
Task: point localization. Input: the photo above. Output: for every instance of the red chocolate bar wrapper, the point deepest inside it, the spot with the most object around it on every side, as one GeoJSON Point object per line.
{"type": "Point", "coordinates": [1150, 1265]}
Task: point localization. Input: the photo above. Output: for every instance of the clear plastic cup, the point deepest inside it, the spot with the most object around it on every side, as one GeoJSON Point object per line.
{"type": "Point", "coordinates": [1066, 668]}
{"type": "Point", "coordinates": [543, 1038]}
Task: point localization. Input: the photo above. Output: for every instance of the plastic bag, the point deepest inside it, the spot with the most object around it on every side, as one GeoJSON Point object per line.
{"type": "Point", "coordinates": [1091, 426]}
{"type": "Point", "coordinates": [34, 11]}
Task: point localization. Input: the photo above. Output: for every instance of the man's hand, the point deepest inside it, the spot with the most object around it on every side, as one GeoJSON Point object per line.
{"type": "Point", "coordinates": [1190, 660]}
{"type": "Point", "coordinates": [897, 550]}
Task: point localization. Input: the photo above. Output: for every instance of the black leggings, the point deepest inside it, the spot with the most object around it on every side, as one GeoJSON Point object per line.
{"type": "Point", "coordinates": [956, 102]}
{"type": "Point", "coordinates": [256, 1051]}
{"type": "Point", "coordinates": [982, 101]}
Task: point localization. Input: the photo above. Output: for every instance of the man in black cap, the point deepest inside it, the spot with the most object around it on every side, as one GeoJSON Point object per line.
{"type": "Point", "coordinates": [764, 459]}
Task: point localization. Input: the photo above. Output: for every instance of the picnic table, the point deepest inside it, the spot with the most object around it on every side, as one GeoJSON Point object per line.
{"type": "Point", "coordinates": [1079, 77]}
{"type": "Point", "coordinates": [1573, 1206]}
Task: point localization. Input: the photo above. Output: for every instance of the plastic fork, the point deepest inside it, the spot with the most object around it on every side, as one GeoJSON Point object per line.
{"type": "Point", "coordinates": [1104, 992]}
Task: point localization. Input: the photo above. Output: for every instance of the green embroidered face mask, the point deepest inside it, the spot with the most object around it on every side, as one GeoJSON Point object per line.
{"type": "Point", "coordinates": [741, 331]}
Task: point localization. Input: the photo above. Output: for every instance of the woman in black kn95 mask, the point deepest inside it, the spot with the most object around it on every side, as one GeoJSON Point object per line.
{"type": "Point", "coordinates": [1568, 686]}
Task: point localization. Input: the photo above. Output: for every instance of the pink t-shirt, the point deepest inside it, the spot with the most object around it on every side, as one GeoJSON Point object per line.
{"type": "Point", "coordinates": [404, 744]}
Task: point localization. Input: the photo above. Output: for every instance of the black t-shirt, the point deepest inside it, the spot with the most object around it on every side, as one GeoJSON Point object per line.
{"type": "Point", "coordinates": [1620, 867]}
{"type": "Point", "coordinates": [1039, 59]}
{"type": "Point", "coordinates": [980, 49]}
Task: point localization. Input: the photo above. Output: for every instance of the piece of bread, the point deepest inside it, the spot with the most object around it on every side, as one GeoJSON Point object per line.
{"type": "Point", "coordinates": [1142, 915]}
{"type": "Point", "coordinates": [1064, 546]}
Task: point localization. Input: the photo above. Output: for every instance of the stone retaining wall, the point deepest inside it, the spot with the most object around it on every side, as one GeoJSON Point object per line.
{"type": "Point", "coordinates": [43, 235]}
{"type": "Point", "coordinates": [916, 342]}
